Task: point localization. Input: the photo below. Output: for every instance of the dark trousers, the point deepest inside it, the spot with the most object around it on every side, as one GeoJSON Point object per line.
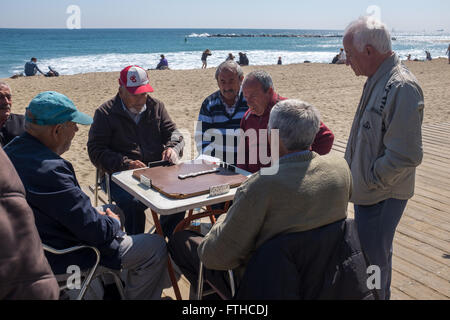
{"type": "Point", "coordinates": [376, 226]}
{"type": "Point", "coordinates": [134, 211]}
{"type": "Point", "coordinates": [183, 250]}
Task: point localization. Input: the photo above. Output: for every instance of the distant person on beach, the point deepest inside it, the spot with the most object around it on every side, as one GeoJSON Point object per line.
{"type": "Point", "coordinates": [230, 57]}
{"type": "Point", "coordinates": [11, 125]}
{"type": "Point", "coordinates": [222, 110]}
{"type": "Point", "coordinates": [341, 57]}
{"type": "Point", "coordinates": [163, 64]}
{"type": "Point", "coordinates": [428, 56]}
{"type": "Point", "coordinates": [279, 61]}
{"type": "Point", "coordinates": [64, 214]}
{"type": "Point", "coordinates": [31, 68]}
{"type": "Point", "coordinates": [129, 131]}
{"type": "Point", "coordinates": [205, 55]}
{"type": "Point", "coordinates": [335, 59]}
{"type": "Point", "coordinates": [260, 94]}
{"type": "Point", "coordinates": [243, 60]}
{"type": "Point", "coordinates": [385, 143]}
{"type": "Point", "coordinates": [448, 53]}
{"type": "Point", "coordinates": [409, 57]}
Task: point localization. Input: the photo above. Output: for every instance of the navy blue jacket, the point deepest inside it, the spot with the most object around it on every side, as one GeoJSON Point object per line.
{"type": "Point", "coordinates": [63, 212]}
{"type": "Point", "coordinates": [326, 263]}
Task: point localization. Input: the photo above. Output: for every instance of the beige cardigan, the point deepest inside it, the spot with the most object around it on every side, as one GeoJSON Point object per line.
{"type": "Point", "coordinates": [309, 191]}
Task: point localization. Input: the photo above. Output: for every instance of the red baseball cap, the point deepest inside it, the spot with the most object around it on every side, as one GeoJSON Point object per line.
{"type": "Point", "coordinates": [135, 79]}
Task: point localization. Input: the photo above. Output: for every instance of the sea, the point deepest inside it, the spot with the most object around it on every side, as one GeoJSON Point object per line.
{"type": "Point", "coordinates": [99, 50]}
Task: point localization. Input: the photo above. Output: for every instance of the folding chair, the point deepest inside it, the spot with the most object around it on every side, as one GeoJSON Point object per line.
{"type": "Point", "coordinates": [97, 186]}
{"type": "Point", "coordinates": [200, 293]}
{"type": "Point", "coordinates": [88, 274]}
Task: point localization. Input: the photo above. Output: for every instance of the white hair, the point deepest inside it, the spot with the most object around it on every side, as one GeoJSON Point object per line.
{"type": "Point", "coordinates": [368, 30]}
{"type": "Point", "coordinates": [297, 121]}
{"type": "Point", "coordinates": [4, 84]}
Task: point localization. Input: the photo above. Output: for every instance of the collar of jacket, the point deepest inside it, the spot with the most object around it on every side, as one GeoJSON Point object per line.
{"type": "Point", "coordinates": [303, 157]}
{"type": "Point", "coordinates": [385, 67]}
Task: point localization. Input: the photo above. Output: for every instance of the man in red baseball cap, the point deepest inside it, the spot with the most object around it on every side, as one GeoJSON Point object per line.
{"type": "Point", "coordinates": [128, 132]}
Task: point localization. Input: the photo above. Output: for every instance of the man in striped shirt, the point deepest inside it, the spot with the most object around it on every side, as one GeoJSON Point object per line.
{"type": "Point", "coordinates": [220, 115]}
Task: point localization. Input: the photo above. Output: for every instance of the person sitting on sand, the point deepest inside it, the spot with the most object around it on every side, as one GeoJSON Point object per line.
{"type": "Point", "coordinates": [341, 57]}
{"type": "Point", "coordinates": [163, 64]}
{"type": "Point", "coordinates": [279, 61]}
{"type": "Point", "coordinates": [205, 55]}
{"type": "Point", "coordinates": [11, 125]}
{"type": "Point", "coordinates": [31, 68]}
{"type": "Point", "coordinates": [230, 57]}
{"type": "Point", "coordinates": [64, 214]}
{"type": "Point", "coordinates": [243, 60]}
{"type": "Point", "coordinates": [335, 59]}
{"type": "Point", "coordinates": [260, 94]}
{"type": "Point", "coordinates": [129, 131]}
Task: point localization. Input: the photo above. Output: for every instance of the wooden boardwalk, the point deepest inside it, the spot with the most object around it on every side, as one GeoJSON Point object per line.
{"type": "Point", "coordinates": [421, 250]}
{"type": "Point", "coordinates": [421, 259]}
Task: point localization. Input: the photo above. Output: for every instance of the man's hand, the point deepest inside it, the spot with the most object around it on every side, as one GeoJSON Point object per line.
{"type": "Point", "coordinates": [136, 164]}
{"type": "Point", "coordinates": [170, 155]}
{"type": "Point", "coordinates": [109, 213]}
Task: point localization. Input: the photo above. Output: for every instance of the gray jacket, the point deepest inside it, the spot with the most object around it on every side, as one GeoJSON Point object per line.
{"type": "Point", "coordinates": [385, 143]}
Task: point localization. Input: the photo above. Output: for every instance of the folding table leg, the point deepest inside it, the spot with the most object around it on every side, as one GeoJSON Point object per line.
{"type": "Point", "coordinates": [173, 279]}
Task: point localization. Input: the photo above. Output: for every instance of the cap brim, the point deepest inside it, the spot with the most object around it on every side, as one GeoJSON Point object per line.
{"type": "Point", "coordinates": [82, 118]}
{"type": "Point", "coordinates": [142, 89]}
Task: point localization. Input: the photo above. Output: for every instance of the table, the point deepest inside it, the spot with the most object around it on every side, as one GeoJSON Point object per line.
{"type": "Point", "coordinates": [159, 204]}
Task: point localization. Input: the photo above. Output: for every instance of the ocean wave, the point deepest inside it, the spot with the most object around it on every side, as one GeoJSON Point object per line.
{"type": "Point", "coordinates": [195, 35]}
{"type": "Point", "coordinates": [191, 60]}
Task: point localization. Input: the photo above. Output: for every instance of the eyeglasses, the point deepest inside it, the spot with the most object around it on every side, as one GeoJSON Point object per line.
{"type": "Point", "coordinates": [7, 96]}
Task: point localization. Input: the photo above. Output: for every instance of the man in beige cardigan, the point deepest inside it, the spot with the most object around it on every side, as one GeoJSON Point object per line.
{"type": "Point", "coordinates": [307, 192]}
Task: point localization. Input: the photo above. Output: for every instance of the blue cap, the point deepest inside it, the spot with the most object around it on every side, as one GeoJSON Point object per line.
{"type": "Point", "coordinates": [50, 108]}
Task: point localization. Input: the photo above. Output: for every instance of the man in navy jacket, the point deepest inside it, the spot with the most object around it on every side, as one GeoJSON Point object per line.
{"type": "Point", "coordinates": [63, 213]}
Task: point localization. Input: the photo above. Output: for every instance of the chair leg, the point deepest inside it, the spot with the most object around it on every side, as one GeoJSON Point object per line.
{"type": "Point", "coordinates": [108, 188]}
{"type": "Point", "coordinates": [200, 282]}
{"type": "Point", "coordinates": [96, 187]}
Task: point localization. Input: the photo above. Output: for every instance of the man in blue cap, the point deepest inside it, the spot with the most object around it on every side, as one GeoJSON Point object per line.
{"type": "Point", "coordinates": [64, 215]}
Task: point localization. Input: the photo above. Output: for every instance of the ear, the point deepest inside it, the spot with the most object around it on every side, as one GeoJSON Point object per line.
{"type": "Point", "coordinates": [56, 130]}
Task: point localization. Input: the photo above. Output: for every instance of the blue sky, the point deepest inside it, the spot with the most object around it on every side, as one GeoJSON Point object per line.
{"type": "Point", "coordinates": [411, 15]}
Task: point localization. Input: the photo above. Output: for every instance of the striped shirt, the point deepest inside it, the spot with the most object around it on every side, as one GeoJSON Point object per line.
{"type": "Point", "coordinates": [215, 134]}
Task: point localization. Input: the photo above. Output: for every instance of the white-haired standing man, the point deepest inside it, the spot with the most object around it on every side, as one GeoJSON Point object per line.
{"type": "Point", "coordinates": [385, 143]}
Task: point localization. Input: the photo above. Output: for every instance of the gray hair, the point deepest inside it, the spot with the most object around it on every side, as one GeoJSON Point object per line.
{"type": "Point", "coordinates": [297, 121]}
{"type": "Point", "coordinates": [233, 66]}
{"type": "Point", "coordinates": [4, 84]}
{"type": "Point", "coordinates": [262, 77]}
{"type": "Point", "coordinates": [368, 30]}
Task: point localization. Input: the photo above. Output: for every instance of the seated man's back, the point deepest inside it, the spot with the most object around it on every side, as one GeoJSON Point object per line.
{"type": "Point", "coordinates": [64, 215]}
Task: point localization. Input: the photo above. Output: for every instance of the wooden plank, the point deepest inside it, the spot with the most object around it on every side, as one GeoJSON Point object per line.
{"type": "Point", "coordinates": [421, 236]}
{"type": "Point", "coordinates": [413, 288]}
{"type": "Point", "coordinates": [425, 228]}
{"type": "Point", "coordinates": [427, 279]}
{"type": "Point", "coordinates": [422, 248]}
{"type": "Point", "coordinates": [427, 217]}
{"type": "Point", "coordinates": [397, 294]}
{"type": "Point", "coordinates": [438, 269]}
{"type": "Point", "coordinates": [426, 192]}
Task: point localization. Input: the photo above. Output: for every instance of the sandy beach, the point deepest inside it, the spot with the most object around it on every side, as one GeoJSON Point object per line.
{"type": "Point", "coordinates": [333, 89]}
